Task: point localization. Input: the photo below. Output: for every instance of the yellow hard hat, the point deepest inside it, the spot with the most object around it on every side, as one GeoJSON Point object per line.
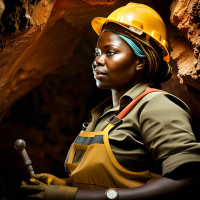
{"type": "Point", "coordinates": [138, 18]}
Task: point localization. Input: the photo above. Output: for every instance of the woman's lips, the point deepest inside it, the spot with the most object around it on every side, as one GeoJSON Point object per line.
{"type": "Point", "coordinates": [98, 74]}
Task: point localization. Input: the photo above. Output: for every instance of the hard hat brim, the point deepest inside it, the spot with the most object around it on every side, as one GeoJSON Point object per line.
{"type": "Point", "coordinates": [98, 22]}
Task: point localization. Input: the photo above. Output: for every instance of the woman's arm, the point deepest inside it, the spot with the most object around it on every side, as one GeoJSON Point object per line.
{"type": "Point", "coordinates": [182, 183]}
{"type": "Point", "coordinates": [156, 189]}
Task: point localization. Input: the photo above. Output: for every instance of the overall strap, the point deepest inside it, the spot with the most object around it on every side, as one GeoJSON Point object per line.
{"type": "Point", "coordinates": [115, 120]}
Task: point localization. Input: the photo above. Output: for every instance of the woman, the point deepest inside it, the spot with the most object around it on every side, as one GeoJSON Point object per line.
{"type": "Point", "coordinates": [139, 144]}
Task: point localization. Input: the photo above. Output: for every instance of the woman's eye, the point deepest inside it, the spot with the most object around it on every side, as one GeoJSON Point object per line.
{"type": "Point", "coordinates": [111, 53]}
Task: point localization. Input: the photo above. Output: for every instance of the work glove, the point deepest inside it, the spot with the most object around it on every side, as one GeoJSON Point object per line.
{"type": "Point", "coordinates": [34, 191]}
{"type": "Point", "coordinates": [52, 180]}
{"type": "Point", "coordinates": [40, 190]}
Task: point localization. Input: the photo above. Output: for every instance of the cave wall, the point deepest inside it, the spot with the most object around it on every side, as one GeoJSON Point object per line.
{"type": "Point", "coordinates": [46, 76]}
{"type": "Point", "coordinates": [30, 53]}
{"type": "Point", "coordinates": [185, 15]}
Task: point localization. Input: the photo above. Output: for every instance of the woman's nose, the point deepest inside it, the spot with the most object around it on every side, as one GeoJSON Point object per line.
{"type": "Point", "coordinates": [99, 61]}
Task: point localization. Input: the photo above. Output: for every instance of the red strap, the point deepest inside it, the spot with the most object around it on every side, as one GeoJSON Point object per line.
{"type": "Point", "coordinates": [128, 108]}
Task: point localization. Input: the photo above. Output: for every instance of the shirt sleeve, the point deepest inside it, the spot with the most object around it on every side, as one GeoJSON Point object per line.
{"type": "Point", "coordinates": [167, 134]}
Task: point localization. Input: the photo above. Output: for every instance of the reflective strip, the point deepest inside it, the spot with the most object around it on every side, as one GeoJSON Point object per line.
{"type": "Point", "coordinates": [90, 140]}
{"type": "Point", "coordinates": [73, 151]}
{"type": "Point", "coordinates": [51, 192]}
{"type": "Point", "coordinates": [66, 193]}
{"type": "Point", "coordinates": [98, 139]}
{"type": "Point", "coordinates": [78, 156]}
{"type": "Point", "coordinates": [84, 140]}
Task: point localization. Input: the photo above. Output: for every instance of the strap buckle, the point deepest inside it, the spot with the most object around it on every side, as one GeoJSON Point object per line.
{"type": "Point", "coordinates": [115, 120]}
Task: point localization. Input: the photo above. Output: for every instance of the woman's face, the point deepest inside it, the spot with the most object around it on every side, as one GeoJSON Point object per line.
{"type": "Point", "coordinates": [115, 63]}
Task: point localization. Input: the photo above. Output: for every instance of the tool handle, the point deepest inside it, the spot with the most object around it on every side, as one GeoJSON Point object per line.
{"type": "Point", "coordinates": [20, 146]}
{"type": "Point", "coordinates": [27, 162]}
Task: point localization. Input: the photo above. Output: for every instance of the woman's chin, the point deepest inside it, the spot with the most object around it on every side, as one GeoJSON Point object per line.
{"type": "Point", "coordinates": [102, 85]}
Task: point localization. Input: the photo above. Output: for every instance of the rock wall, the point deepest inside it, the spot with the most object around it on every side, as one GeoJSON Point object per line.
{"type": "Point", "coordinates": [185, 15]}
{"type": "Point", "coordinates": [27, 55]}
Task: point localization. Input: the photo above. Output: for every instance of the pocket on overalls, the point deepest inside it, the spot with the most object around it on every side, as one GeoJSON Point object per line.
{"type": "Point", "coordinates": [71, 166]}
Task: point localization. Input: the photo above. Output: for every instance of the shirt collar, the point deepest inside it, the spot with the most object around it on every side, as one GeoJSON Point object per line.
{"type": "Point", "coordinates": [136, 90]}
{"type": "Point", "coordinates": [132, 93]}
{"type": "Point", "coordinates": [104, 108]}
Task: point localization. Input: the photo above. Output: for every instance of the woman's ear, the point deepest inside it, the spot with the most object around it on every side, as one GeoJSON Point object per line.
{"type": "Point", "coordinates": [140, 64]}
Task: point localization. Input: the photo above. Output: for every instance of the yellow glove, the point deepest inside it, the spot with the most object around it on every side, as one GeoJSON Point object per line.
{"type": "Point", "coordinates": [52, 180]}
{"type": "Point", "coordinates": [39, 190]}
{"type": "Point", "coordinates": [34, 191]}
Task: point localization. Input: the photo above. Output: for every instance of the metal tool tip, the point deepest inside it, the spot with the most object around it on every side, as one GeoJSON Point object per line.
{"type": "Point", "coordinates": [20, 144]}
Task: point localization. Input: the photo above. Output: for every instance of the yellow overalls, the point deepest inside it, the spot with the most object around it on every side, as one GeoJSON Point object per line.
{"type": "Point", "coordinates": [99, 168]}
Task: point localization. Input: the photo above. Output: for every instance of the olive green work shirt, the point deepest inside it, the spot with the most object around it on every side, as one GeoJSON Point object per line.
{"type": "Point", "coordinates": [156, 134]}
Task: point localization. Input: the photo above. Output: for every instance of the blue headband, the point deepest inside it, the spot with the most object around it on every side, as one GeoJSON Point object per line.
{"type": "Point", "coordinates": [133, 46]}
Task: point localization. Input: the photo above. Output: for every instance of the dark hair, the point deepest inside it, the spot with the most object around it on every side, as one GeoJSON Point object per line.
{"type": "Point", "coordinates": [159, 71]}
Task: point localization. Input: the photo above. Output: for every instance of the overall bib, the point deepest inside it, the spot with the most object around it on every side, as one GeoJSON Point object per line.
{"type": "Point", "coordinates": [99, 168]}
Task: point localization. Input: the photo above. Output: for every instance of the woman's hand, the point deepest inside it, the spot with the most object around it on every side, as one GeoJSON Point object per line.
{"type": "Point", "coordinates": [36, 190]}
{"type": "Point", "coordinates": [51, 180]}
{"type": "Point", "coordinates": [41, 190]}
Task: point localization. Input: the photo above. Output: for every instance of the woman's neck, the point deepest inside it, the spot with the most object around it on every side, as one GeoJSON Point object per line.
{"type": "Point", "coordinates": [116, 95]}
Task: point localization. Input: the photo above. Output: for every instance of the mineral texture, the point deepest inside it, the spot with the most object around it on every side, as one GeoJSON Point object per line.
{"type": "Point", "coordinates": [185, 15]}
{"type": "Point", "coordinates": [28, 53]}
{"type": "Point", "coordinates": [14, 16]}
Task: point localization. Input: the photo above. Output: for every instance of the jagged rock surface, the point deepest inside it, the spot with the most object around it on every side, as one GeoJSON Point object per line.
{"type": "Point", "coordinates": [48, 43]}
{"type": "Point", "coordinates": [185, 15]}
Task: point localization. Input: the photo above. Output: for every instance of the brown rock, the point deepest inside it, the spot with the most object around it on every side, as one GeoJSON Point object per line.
{"type": "Point", "coordinates": [185, 14]}
{"type": "Point", "coordinates": [28, 55]}
{"type": "Point", "coordinates": [183, 53]}
{"type": "Point", "coordinates": [2, 8]}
